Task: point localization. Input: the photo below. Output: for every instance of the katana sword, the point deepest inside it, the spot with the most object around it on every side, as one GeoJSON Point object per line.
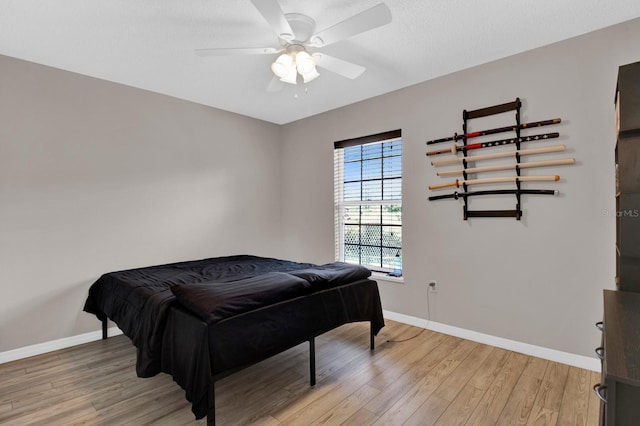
{"type": "Point", "coordinates": [513, 166]}
{"type": "Point", "coordinates": [457, 195]}
{"type": "Point", "coordinates": [470, 135]}
{"type": "Point", "coordinates": [506, 154]}
{"type": "Point", "coordinates": [457, 182]}
{"type": "Point", "coordinates": [456, 148]}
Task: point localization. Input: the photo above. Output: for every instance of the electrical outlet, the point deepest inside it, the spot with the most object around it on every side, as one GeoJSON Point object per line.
{"type": "Point", "coordinates": [432, 287]}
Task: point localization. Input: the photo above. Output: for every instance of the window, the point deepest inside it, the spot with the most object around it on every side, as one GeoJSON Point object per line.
{"type": "Point", "coordinates": [368, 200]}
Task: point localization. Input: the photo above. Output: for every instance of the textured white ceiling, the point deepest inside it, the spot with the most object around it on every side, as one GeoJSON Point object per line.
{"type": "Point", "coordinates": [149, 44]}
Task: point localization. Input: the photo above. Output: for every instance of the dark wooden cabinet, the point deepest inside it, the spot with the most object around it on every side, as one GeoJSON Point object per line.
{"type": "Point", "coordinates": [627, 155]}
{"type": "Point", "coordinates": [620, 353]}
{"type": "Point", "coordinates": [619, 389]}
{"type": "Point", "coordinates": [628, 100]}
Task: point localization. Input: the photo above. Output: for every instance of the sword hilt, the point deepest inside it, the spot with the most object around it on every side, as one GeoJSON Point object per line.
{"type": "Point", "coordinates": [453, 150]}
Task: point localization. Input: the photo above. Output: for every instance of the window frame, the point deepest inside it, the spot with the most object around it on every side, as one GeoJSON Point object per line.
{"type": "Point", "coordinates": [340, 203]}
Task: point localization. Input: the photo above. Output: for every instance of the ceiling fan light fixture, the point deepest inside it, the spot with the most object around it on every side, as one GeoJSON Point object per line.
{"type": "Point", "coordinates": [304, 62]}
{"type": "Point", "coordinates": [311, 75]}
{"type": "Point", "coordinates": [283, 65]}
{"type": "Point", "coordinates": [296, 64]}
{"type": "Point", "coordinates": [291, 76]}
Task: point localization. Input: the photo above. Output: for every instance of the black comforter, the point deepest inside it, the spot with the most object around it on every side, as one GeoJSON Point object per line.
{"type": "Point", "coordinates": [198, 320]}
{"type": "Point", "coordinates": [212, 289]}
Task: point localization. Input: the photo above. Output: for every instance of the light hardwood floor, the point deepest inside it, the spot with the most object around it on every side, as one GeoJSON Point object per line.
{"type": "Point", "coordinates": [432, 379]}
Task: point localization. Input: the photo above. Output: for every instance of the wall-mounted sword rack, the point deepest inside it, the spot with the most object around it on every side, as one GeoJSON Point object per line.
{"type": "Point", "coordinates": [516, 154]}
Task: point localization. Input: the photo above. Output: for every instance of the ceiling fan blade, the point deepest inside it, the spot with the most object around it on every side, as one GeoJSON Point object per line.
{"type": "Point", "coordinates": [339, 66]}
{"type": "Point", "coordinates": [273, 14]}
{"type": "Point", "coordinates": [223, 51]}
{"type": "Point", "coordinates": [364, 21]}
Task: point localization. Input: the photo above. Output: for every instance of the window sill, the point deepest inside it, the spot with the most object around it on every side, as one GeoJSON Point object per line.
{"type": "Point", "coordinates": [381, 276]}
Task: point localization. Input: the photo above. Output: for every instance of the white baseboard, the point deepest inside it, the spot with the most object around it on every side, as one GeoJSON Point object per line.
{"type": "Point", "coordinates": [512, 345]}
{"type": "Point", "coordinates": [54, 345]}
{"type": "Point", "coordinates": [580, 361]}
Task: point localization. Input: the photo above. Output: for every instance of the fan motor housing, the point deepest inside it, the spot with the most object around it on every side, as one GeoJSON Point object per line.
{"type": "Point", "coordinates": [302, 26]}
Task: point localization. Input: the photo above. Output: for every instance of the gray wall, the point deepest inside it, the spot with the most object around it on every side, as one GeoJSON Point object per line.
{"type": "Point", "coordinates": [96, 176]}
{"type": "Point", "coordinates": [537, 281]}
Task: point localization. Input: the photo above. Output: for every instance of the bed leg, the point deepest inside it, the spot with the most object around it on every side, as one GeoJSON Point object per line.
{"type": "Point", "coordinates": [104, 329]}
{"type": "Point", "coordinates": [211, 414]}
{"type": "Point", "coordinates": [372, 336]}
{"type": "Point", "coordinates": [312, 361]}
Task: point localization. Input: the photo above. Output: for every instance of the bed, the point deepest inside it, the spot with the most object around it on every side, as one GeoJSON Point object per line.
{"type": "Point", "coordinates": [201, 320]}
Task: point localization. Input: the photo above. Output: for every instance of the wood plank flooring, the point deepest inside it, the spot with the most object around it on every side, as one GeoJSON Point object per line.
{"type": "Point", "coordinates": [430, 379]}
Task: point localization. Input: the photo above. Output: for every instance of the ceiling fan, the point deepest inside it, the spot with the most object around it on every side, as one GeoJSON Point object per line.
{"type": "Point", "coordinates": [298, 40]}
